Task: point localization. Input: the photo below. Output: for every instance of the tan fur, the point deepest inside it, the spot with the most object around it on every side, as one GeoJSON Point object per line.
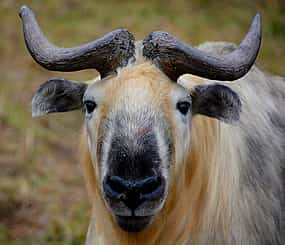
{"type": "Point", "coordinates": [204, 204]}
{"type": "Point", "coordinates": [182, 214]}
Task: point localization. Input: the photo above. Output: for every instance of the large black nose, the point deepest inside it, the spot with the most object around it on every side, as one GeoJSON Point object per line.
{"type": "Point", "coordinates": [134, 192]}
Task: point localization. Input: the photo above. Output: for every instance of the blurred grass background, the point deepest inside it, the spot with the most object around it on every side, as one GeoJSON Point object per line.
{"type": "Point", "coordinates": [42, 193]}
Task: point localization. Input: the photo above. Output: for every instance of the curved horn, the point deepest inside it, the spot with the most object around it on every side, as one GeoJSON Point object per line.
{"type": "Point", "coordinates": [176, 58]}
{"type": "Point", "coordinates": [104, 54]}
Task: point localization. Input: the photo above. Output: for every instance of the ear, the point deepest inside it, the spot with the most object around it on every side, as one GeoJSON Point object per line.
{"type": "Point", "coordinates": [58, 95]}
{"type": "Point", "coordinates": [216, 100]}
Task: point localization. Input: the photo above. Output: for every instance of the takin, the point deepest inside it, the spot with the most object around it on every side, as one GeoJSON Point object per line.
{"type": "Point", "coordinates": [174, 151]}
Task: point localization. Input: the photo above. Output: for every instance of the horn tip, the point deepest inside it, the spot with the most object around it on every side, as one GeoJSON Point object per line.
{"type": "Point", "coordinates": [24, 10]}
{"type": "Point", "coordinates": [258, 15]}
{"type": "Point", "coordinates": [257, 18]}
{"type": "Point", "coordinates": [258, 23]}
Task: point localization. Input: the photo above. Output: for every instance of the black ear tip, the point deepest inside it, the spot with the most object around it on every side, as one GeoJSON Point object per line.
{"type": "Point", "coordinates": [233, 114]}
{"type": "Point", "coordinates": [231, 106]}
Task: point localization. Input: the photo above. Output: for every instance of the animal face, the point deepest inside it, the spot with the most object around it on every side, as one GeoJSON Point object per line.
{"type": "Point", "coordinates": [139, 120]}
{"type": "Point", "coordinates": [139, 130]}
{"type": "Point", "coordinates": [130, 135]}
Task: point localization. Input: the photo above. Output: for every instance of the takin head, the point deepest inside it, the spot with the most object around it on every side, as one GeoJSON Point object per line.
{"type": "Point", "coordinates": [138, 118]}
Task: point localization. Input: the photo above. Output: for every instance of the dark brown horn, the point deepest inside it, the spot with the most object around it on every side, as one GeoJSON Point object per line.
{"type": "Point", "coordinates": [176, 58]}
{"type": "Point", "coordinates": [104, 54]}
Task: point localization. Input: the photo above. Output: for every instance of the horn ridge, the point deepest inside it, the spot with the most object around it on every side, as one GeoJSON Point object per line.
{"type": "Point", "coordinates": [105, 54]}
{"type": "Point", "coordinates": [176, 58]}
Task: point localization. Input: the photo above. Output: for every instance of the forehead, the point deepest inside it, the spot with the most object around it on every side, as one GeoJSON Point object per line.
{"type": "Point", "coordinates": [141, 85]}
{"type": "Point", "coordinates": [138, 97]}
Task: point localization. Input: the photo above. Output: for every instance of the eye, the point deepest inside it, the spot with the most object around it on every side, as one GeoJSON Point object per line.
{"type": "Point", "coordinates": [90, 106]}
{"type": "Point", "coordinates": [183, 107]}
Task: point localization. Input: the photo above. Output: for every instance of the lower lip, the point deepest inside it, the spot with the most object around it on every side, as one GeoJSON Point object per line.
{"type": "Point", "coordinates": [133, 223]}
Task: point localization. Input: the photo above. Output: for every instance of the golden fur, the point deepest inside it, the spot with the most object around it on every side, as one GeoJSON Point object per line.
{"type": "Point", "coordinates": [205, 204]}
{"type": "Point", "coordinates": [183, 214]}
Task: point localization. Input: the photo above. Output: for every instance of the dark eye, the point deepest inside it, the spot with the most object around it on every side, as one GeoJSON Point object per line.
{"type": "Point", "coordinates": [183, 107]}
{"type": "Point", "coordinates": [90, 106]}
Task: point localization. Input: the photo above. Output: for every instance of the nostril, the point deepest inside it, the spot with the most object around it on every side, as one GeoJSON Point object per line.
{"type": "Point", "coordinates": [150, 185]}
{"type": "Point", "coordinates": [116, 184]}
{"type": "Point", "coordinates": [114, 187]}
{"type": "Point", "coordinates": [134, 193]}
{"type": "Point", "coordinates": [153, 189]}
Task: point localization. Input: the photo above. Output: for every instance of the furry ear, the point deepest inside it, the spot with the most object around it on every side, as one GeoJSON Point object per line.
{"type": "Point", "coordinates": [58, 95]}
{"type": "Point", "coordinates": [216, 100]}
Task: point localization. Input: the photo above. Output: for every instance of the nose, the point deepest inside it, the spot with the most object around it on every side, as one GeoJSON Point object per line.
{"type": "Point", "coordinates": [133, 192]}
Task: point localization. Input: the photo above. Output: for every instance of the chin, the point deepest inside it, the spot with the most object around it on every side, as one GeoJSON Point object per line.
{"type": "Point", "coordinates": [133, 223]}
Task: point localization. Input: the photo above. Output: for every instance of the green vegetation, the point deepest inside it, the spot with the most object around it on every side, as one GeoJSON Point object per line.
{"type": "Point", "coordinates": [42, 194]}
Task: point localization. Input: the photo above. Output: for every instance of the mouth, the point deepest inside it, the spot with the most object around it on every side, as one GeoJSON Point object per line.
{"type": "Point", "coordinates": [133, 223]}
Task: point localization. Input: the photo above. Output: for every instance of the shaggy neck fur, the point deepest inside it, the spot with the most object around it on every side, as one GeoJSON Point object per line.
{"type": "Point", "coordinates": [229, 189]}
